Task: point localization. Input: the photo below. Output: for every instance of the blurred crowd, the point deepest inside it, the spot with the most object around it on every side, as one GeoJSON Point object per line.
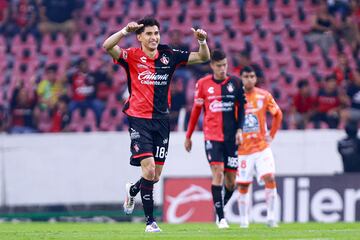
{"type": "Point", "coordinates": [57, 78]}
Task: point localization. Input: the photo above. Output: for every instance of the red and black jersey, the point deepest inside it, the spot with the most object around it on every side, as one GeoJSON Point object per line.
{"type": "Point", "coordinates": [223, 103]}
{"type": "Point", "coordinates": [149, 80]}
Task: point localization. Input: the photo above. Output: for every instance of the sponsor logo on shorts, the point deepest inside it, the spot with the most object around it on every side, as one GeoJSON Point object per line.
{"type": "Point", "coordinates": [208, 145]}
{"type": "Point", "coordinates": [134, 134]}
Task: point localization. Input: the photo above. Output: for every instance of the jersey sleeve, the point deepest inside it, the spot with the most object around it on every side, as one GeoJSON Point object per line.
{"type": "Point", "coordinates": [125, 54]}
{"type": "Point", "coordinates": [181, 57]}
{"type": "Point", "coordinates": [271, 105]}
{"type": "Point", "coordinates": [241, 106]}
{"type": "Point", "coordinates": [275, 111]}
{"type": "Point", "coordinates": [196, 110]}
{"type": "Point", "coordinates": [199, 97]}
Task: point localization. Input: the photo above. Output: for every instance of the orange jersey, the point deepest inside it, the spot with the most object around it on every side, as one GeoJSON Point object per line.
{"type": "Point", "coordinates": [259, 102]}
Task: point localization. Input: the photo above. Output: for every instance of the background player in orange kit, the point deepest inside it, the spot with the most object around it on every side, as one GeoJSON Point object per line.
{"type": "Point", "coordinates": [222, 98]}
{"type": "Point", "coordinates": [255, 155]}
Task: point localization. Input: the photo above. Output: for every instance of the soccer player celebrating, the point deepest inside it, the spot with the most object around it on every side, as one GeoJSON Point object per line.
{"type": "Point", "coordinates": [222, 98]}
{"type": "Point", "coordinates": [255, 156]}
{"type": "Point", "coordinates": [149, 70]}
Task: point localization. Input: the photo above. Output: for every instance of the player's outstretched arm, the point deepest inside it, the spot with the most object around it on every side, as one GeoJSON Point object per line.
{"type": "Point", "coordinates": [203, 54]}
{"type": "Point", "coordinates": [110, 44]}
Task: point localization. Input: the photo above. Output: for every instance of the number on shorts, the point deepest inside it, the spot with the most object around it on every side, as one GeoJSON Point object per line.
{"type": "Point", "coordinates": [160, 152]}
{"type": "Point", "coordinates": [243, 164]}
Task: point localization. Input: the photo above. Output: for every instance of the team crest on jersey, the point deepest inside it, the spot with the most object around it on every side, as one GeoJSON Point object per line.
{"type": "Point", "coordinates": [251, 123]}
{"type": "Point", "coordinates": [230, 87]}
{"type": "Point", "coordinates": [211, 90]}
{"type": "Point", "coordinates": [164, 59]}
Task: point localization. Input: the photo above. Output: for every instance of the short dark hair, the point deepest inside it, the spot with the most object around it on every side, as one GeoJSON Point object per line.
{"type": "Point", "coordinates": [246, 69]}
{"type": "Point", "coordinates": [351, 128]}
{"type": "Point", "coordinates": [217, 55]}
{"type": "Point", "coordinates": [302, 83]}
{"type": "Point", "coordinates": [147, 21]}
{"type": "Point", "coordinates": [330, 77]}
{"type": "Point", "coordinates": [245, 54]}
{"type": "Point", "coordinates": [52, 68]}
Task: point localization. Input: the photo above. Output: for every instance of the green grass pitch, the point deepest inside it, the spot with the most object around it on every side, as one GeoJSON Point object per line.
{"type": "Point", "coordinates": [107, 231]}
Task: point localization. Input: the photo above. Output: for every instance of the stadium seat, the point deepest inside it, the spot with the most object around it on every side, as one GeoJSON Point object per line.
{"type": "Point", "coordinates": [311, 7]}
{"type": "Point", "coordinates": [282, 57]}
{"type": "Point", "coordinates": [276, 26]}
{"type": "Point", "coordinates": [80, 41]}
{"type": "Point", "coordinates": [245, 27]}
{"type": "Point", "coordinates": [272, 73]}
{"type": "Point", "coordinates": [303, 26]}
{"type": "Point", "coordinates": [313, 57]}
{"type": "Point", "coordinates": [166, 11]}
{"type": "Point", "coordinates": [286, 9]}
{"type": "Point", "coordinates": [257, 8]}
{"type": "Point", "coordinates": [197, 11]}
{"type": "Point", "coordinates": [293, 39]}
{"type": "Point", "coordinates": [111, 9]}
{"type": "Point", "coordinates": [51, 41]}
{"type": "Point", "coordinates": [262, 39]}
{"type": "Point", "coordinates": [137, 12]}
{"type": "Point", "coordinates": [255, 54]}
{"type": "Point", "coordinates": [230, 10]}
{"type": "Point", "coordinates": [89, 25]}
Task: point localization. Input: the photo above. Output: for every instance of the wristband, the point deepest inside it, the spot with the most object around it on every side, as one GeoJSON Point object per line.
{"type": "Point", "coordinates": [202, 42]}
{"type": "Point", "coordinates": [124, 32]}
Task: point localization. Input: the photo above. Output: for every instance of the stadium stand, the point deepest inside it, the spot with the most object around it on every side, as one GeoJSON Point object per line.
{"type": "Point", "coordinates": [272, 32]}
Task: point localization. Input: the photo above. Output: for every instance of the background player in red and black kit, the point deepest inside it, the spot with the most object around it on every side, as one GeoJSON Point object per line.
{"type": "Point", "coordinates": [149, 70]}
{"type": "Point", "coordinates": [222, 98]}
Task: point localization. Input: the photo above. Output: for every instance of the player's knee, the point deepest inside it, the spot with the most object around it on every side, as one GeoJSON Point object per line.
{"type": "Point", "coordinates": [149, 171]}
{"type": "Point", "coordinates": [230, 185]}
{"type": "Point", "coordinates": [230, 178]}
{"type": "Point", "coordinates": [243, 187]}
{"type": "Point", "coordinates": [219, 174]}
{"type": "Point", "coordinates": [269, 179]}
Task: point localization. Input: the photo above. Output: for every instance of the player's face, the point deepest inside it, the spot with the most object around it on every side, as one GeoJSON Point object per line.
{"type": "Point", "coordinates": [149, 38]}
{"type": "Point", "coordinates": [219, 68]}
{"type": "Point", "coordinates": [249, 80]}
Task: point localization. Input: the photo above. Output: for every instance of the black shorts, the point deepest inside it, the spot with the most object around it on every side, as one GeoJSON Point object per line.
{"type": "Point", "coordinates": [222, 153]}
{"type": "Point", "coordinates": [149, 138]}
